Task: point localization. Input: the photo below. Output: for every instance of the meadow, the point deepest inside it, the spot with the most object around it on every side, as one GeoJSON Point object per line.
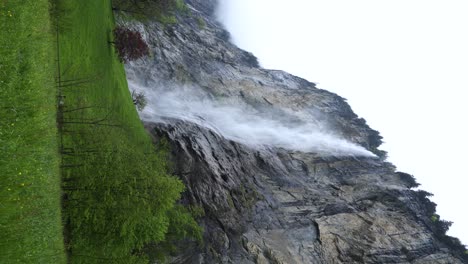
{"type": "Point", "coordinates": [82, 182]}
{"type": "Point", "coordinates": [30, 195]}
{"type": "Point", "coordinates": [119, 196]}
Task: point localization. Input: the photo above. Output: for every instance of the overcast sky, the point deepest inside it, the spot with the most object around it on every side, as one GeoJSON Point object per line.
{"type": "Point", "coordinates": [402, 65]}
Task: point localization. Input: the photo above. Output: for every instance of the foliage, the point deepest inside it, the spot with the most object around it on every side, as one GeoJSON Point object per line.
{"type": "Point", "coordinates": [129, 44]}
{"type": "Point", "coordinates": [120, 199]}
{"type": "Point", "coordinates": [181, 227]}
{"type": "Point", "coordinates": [409, 179]}
{"type": "Point", "coordinates": [30, 218]}
{"type": "Point", "coordinates": [163, 11]}
{"type": "Point", "coordinates": [438, 226]}
{"type": "Point", "coordinates": [118, 194]}
{"type": "Point", "coordinates": [201, 22]}
{"type": "Point", "coordinates": [250, 59]}
{"type": "Point", "coordinates": [139, 100]}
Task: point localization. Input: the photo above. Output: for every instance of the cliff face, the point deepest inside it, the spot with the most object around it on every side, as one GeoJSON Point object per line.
{"type": "Point", "coordinates": [274, 204]}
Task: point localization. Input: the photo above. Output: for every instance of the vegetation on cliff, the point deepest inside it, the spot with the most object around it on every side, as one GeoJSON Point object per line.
{"type": "Point", "coordinates": [129, 44]}
{"type": "Point", "coordinates": [438, 226]}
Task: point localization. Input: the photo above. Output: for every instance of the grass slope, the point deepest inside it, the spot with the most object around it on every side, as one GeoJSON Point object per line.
{"type": "Point", "coordinates": [85, 54]}
{"type": "Point", "coordinates": [119, 196]}
{"type": "Point", "coordinates": [30, 220]}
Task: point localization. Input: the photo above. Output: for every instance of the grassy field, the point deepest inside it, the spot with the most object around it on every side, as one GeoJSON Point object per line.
{"type": "Point", "coordinates": [30, 219]}
{"type": "Point", "coordinates": [119, 196]}
{"type": "Point", "coordinates": [88, 58]}
{"type": "Point", "coordinates": [98, 164]}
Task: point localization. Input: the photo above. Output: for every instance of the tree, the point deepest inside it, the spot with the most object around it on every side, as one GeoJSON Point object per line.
{"type": "Point", "coordinates": [129, 44]}
{"type": "Point", "coordinates": [122, 200]}
{"type": "Point", "coordinates": [139, 100]}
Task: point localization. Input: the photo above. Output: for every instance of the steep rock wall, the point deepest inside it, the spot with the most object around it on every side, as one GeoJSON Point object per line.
{"type": "Point", "coordinates": [272, 205]}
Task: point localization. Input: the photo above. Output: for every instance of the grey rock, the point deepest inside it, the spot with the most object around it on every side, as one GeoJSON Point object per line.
{"type": "Point", "coordinates": [274, 205]}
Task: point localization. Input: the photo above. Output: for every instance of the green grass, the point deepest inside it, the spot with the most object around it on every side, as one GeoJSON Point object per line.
{"type": "Point", "coordinates": [86, 54]}
{"type": "Point", "coordinates": [30, 218]}
{"type": "Point", "coordinates": [119, 196]}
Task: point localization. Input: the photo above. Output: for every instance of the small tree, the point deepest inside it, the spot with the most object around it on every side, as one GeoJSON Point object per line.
{"type": "Point", "coordinates": [129, 44]}
{"type": "Point", "coordinates": [139, 100]}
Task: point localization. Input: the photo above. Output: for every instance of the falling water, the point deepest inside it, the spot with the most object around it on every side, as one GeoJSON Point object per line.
{"type": "Point", "coordinates": [240, 122]}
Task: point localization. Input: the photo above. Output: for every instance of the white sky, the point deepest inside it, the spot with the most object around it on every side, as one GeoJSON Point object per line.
{"type": "Point", "coordinates": [402, 65]}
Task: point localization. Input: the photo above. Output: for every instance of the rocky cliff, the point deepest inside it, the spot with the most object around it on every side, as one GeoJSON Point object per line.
{"type": "Point", "coordinates": [275, 204]}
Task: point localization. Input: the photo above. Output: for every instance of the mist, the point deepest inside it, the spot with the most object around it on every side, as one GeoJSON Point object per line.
{"type": "Point", "coordinates": [242, 123]}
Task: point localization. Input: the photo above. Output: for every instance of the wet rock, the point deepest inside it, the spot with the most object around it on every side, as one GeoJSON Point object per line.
{"type": "Point", "coordinates": [271, 205]}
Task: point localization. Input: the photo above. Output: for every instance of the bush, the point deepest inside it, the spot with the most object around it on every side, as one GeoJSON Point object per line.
{"type": "Point", "coordinates": [201, 22]}
{"type": "Point", "coordinates": [129, 44]}
{"type": "Point", "coordinates": [408, 179]}
{"type": "Point", "coordinates": [438, 226]}
{"type": "Point", "coordinates": [121, 199]}
{"type": "Point", "coordinates": [139, 100]}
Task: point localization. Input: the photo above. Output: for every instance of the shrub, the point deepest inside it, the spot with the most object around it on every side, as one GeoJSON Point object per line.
{"type": "Point", "coordinates": [129, 44]}
{"type": "Point", "coordinates": [408, 179]}
{"type": "Point", "coordinates": [201, 22]}
{"type": "Point", "coordinates": [438, 226]}
{"type": "Point", "coordinates": [139, 100]}
{"type": "Point", "coordinates": [122, 199]}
